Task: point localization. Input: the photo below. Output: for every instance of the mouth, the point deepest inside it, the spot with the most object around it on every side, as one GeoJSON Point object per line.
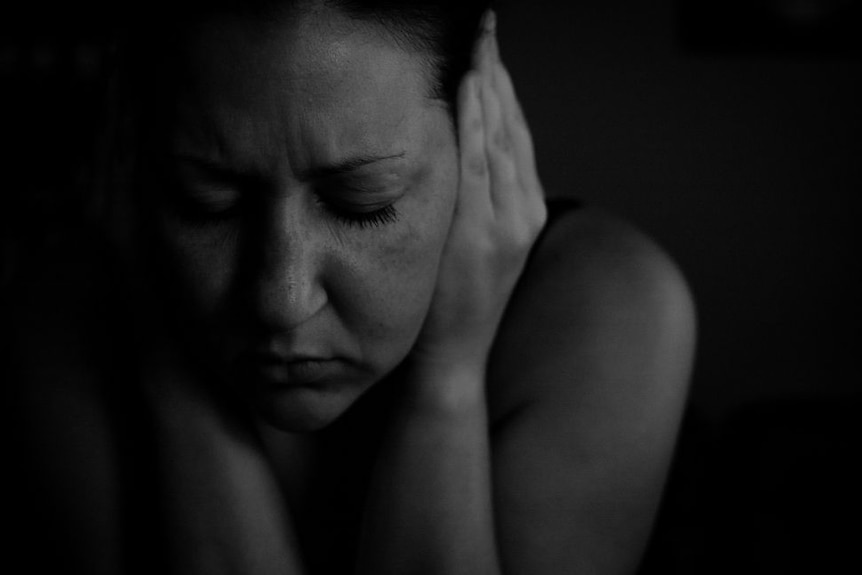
{"type": "Point", "coordinates": [298, 391]}
{"type": "Point", "coordinates": [272, 372]}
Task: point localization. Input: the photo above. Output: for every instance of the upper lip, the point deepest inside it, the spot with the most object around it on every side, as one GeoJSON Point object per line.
{"type": "Point", "coordinates": [276, 358]}
{"type": "Point", "coordinates": [292, 357]}
{"type": "Point", "coordinates": [280, 351]}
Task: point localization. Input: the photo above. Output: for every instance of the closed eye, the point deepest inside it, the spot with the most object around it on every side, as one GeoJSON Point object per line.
{"type": "Point", "coordinates": [201, 190]}
{"type": "Point", "coordinates": [215, 202]}
{"type": "Point", "coordinates": [359, 203]}
{"type": "Point", "coordinates": [364, 219]}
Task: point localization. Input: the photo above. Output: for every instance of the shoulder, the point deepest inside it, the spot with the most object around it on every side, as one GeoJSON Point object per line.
{"type": "Point", "coordinates": [587, 384]}
{"type": "Point", "coordinates": [600, 305]}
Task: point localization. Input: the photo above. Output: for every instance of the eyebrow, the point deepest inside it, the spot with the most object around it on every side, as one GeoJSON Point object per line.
{"type": "Point", "coordinates": [345, 166]}
{"type": "Point", "coordinates": [319, 172]}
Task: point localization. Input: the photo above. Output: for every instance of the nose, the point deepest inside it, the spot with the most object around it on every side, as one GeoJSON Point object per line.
{"type": "Point", "coordinates": [286, 284]}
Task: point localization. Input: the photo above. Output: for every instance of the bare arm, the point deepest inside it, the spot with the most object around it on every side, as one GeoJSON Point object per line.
{"type": "Point", "coordinates": [588, 377]}
{"type": "Point", "coordinates": [591, 367]}
{"type": "Point", "coordinates": [430, 505]}
{"type": "Point", "coordinates": [595, 379]}
{"type": "Point", "coordinates": [224, 510]}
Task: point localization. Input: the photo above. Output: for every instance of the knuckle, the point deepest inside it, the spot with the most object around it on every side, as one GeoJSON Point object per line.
{"type": "Point", "coordinates": [475, 124]}
{"type": "Point", "coordinates": [476, 166]}
{"type": "Point", "coordinates": [501, 141]}
{"type": "Point", "coordinates": [541, 214]}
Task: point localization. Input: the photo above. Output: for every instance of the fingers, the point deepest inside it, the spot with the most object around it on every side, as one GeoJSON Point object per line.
{"type": "Point", "coordinates": [475, 186]}
{"type": "Point", "coordinates": [503, 174]}
{"type": "Point", "coordinates": [481, 58]}
{"type": "Point", "coordinates": [511, 162]}
{"type": "Point", "coordinates": [516, 124]}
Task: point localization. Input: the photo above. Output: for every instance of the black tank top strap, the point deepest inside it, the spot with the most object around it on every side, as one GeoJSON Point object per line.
{"type": "Point", "coordinates": [557, 207]}
{"type": "Point", "coordinates": [561, 205]}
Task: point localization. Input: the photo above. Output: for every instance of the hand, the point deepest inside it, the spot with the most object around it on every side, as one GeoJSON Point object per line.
{"type": "Point", "coordinates": [499, 212]}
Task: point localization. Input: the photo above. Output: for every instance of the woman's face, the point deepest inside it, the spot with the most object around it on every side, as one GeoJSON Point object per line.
{"type": "Point", "coordinates": [309, 189]}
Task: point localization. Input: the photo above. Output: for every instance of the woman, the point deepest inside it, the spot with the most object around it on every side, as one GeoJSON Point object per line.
{"type": "Point", "coordinates": [360, 343]}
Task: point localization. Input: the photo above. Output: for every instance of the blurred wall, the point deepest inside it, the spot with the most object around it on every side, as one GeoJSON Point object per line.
{"type": "Point", "coordinates": [744, 165]}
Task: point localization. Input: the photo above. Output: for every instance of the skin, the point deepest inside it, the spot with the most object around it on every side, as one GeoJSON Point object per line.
{"type": "Point", "coordinates": [258, 231]}
{"type": "Point", "coordinates": [531, 422]}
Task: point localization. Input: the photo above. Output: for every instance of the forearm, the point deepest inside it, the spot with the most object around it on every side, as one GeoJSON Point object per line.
{"type": "Point", "coordinates": [224, 512]}
{"type": "Point", "coordinates": [429, 508]}
{"type": "Point", "coordinates": [430, 503]}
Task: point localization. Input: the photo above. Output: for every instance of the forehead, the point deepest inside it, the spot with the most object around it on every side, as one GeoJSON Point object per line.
{"type": "Point", "coordinates": [317, 82]}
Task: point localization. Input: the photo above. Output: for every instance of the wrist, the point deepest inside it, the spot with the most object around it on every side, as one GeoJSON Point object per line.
{"type": "Point", "coordinates": [444, 386]}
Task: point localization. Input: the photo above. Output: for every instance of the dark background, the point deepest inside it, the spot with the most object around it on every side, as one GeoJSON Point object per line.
{"type": "Point", "coordinates": [730, 131]}
{"type": "Point", "coordinates": [741, 155]}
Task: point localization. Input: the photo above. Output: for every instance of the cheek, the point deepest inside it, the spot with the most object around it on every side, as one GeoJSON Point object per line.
{"type": "Point", "coordinates": [200, 262]}
{"type": "Point", "coordinates": [391, 280]}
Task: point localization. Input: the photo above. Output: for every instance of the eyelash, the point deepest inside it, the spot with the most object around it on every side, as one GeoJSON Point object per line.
{"type": "Point", "coordinates": [364, 220]}
{"type": "Point", "coordinates": [350, 217]}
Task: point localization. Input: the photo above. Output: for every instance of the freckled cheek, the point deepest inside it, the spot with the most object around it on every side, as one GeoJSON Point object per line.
{"type": "Point", "coordinates": [392, 277]}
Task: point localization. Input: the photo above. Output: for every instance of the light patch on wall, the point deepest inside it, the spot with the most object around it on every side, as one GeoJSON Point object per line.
{"type": "Point", "coordinates": [827, 27]}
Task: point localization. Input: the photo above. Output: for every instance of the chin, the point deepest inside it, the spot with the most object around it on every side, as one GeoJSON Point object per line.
{"type": "Point", "coordinates": [304, 409]}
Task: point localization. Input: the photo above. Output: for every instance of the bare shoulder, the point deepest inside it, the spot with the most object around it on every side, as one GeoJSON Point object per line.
{"type": "Point", "coordinates": [587, 385]}
{"type": "Point", "coordinates": [600, 304]}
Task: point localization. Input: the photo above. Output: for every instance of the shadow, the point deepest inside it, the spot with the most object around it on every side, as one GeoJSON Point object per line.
{"type": "Point", "coordinates": [772, 490]}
